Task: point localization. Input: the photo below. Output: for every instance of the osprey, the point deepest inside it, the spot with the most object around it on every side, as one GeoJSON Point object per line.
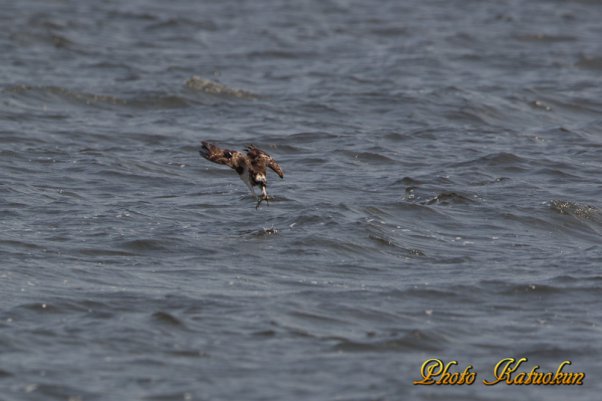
{"type": "Point", "coordinates": [251, 167]}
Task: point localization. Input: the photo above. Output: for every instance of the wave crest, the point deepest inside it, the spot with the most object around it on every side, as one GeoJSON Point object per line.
{"type": "Point", "coordinates": [215, 88]}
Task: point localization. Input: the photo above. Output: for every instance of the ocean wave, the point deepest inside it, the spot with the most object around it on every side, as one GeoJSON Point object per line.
{"type": "Point", "coordinates": [574, 209]}
{"type": "Point", "coordinates": [215, 88]}
{"type": "Point", "coordinates": [48, 96]}
{"type": "Point", "coordinates": [414, 340]}
{"type": "Point", "coordinates": [369, 157]}
{"type": "Point", "coordinates": [46, 38]}
{"type": "Point", "coordinates": [446, 198]}
{"type": "Point", "coordinates": [590, 63]}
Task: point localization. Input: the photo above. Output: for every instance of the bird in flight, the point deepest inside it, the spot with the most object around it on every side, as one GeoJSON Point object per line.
{"type": "Point", "coordinates": [250, 166]}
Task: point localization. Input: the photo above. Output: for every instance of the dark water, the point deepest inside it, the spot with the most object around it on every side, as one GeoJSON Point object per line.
{"type": "Point", "coordinates": [441, 198]}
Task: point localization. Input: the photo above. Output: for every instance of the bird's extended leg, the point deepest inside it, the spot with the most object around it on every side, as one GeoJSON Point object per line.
{"type": "Point", "coordinates": [263, 197]}
{"type": "Point", "coordinates": [254, 194]}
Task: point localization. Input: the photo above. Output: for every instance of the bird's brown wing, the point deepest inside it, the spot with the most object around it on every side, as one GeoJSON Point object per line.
{"type": "Point", "coordinates": [260, 159]}
{"type": "Point", "coordinates": [218, 155]}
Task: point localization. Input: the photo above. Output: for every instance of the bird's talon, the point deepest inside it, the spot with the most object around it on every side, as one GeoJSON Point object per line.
{"type": "Point", "coordinates": [262, 198]}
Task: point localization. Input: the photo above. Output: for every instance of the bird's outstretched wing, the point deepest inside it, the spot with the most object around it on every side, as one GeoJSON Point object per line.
{"type": "Point", "coordinates": [260, 159]}
{"type": "Point", "coordinates": [218, 155]}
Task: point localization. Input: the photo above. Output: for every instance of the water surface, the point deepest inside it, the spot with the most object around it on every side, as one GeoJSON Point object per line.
{"type": "Point", "coordinates": [441, 198]}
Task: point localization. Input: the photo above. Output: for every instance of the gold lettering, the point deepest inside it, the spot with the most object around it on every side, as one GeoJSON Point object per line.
{"type": "Point", "coordinates": [434, 371]}
{"type": "Point", "coordinates": [565, 379]}
{"type": "Point", "coordinates": [578, 378]}
{"type": "Point", "coordinates": [533, 373]}
{"type": "Point", "coordinates": [559, 376]}
{"type": "Point", "coordinates": [520, 378]}
{"type": "Point", "coordinates": [503, 371]}
{"type": "Point", "coordinates": [430, 368]}
{"type": "Point", "coordinates": [468, 377]}
{"type": "Point", "coordinates": [547, 378]}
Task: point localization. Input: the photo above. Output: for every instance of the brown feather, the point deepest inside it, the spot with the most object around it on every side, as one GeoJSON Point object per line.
{"type": "Point", "coordinates": [251, 167]}
{"type": "Point", "coordinates": [231, 158]}
{"type": "Point", "coordinates": [261, 159]}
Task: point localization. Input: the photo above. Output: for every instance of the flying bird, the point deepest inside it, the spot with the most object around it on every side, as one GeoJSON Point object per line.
{"type": "Point", "coordinates": [250, 166]}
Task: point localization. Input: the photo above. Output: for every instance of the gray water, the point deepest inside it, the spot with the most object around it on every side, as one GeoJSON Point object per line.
{"type": "Point", "coordinates": [441, 198]}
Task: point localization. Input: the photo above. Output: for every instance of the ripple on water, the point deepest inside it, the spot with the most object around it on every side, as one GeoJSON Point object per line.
{"type": "Point", "coordinates": [414, 340]}
{"type": "Point", "coordinates": [451, 198]}
{"type": "Point", "coordinates": [167, 319]}
{"type": "Point", "coordinates": [144, 246]}
{"type": "Point", "coordinates": [502, 161]}
{"type": "Point", "coordinates": [199, 84]}
{"type": "Point", "coordinates": [29, 96]}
